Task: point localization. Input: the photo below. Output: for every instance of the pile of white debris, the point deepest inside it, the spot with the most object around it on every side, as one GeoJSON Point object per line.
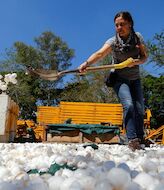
{"type": "Point", "coordinates": [107, 167]}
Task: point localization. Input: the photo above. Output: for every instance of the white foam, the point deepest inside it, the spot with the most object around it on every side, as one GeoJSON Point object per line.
{"type": "Point", "coordinates": [107, 168]}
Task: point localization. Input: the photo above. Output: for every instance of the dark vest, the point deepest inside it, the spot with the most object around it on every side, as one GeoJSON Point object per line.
{"type": "Point", "coordinates": [121, 52]}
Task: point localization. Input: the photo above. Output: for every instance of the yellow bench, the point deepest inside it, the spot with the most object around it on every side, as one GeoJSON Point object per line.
{"type": "Point", "coordinates": [81, 113]}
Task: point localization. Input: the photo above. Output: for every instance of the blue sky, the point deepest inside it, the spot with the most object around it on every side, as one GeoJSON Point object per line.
{"type": "Point", "coordinates": [83, 24]}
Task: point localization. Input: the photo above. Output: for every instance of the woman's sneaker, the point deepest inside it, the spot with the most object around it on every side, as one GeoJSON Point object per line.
{"type": "Point", "coordinates": [134, 144]}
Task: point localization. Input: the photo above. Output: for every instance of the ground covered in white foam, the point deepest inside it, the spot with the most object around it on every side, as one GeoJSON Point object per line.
{"type": "Point", "coordinates": [110, 167]}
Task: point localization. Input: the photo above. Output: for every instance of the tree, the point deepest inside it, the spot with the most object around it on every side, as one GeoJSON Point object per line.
{"type": "Point", "coordinates": [156, 49]}
{"type": "Point", "coordinates": [153, 94]}
{"type": "Point", "coordinates": [153, 86]}
{"type": "Point", "coordinates": [89, 87]}
{"type": "Point", "coordinates": [49, 52]}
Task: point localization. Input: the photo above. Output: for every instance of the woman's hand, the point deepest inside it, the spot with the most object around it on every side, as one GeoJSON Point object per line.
{"type": "Point", "coordinates": [83, 66]}
{"type": "Point", "coordinates": [143, 56]}
{"type": "Point", "coordinates": [134, 63]}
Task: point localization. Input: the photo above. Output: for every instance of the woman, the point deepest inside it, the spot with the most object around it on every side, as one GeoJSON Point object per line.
{"type": "Point", "coordinates": [126, 43]}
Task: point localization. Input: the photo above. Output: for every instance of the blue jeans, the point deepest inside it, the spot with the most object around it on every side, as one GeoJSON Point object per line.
{"type": "Point", "coordinates": [131, 97]}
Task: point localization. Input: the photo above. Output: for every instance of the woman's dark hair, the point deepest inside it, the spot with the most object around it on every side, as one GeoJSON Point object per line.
{"type": "Point", "coordinates": [126, 16]}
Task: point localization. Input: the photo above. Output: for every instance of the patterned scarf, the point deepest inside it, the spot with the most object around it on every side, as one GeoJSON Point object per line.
{"type": "Point", "coordinates": [125, 46]}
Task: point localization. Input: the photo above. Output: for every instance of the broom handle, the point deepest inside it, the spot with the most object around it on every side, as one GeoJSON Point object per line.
{"type": "Point", "coordinates": [103, 67]}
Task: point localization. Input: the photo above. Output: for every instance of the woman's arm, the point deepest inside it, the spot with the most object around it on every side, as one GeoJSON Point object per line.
{"type": "Point", "coordinates": [101, 53]}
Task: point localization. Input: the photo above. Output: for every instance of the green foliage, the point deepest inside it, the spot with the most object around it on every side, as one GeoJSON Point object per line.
{"type": "Point", "coordinates": [154, 87]}
{"type": "Point", "coordinates": [26, 55]}
{"type": "Point", "coordinates": [89, 88]}
{"type": "Point", "coordinates": [153, 94]}
{"type": "Point", "coordinates": [49, 52]}
{"type": "Point", "coordinates": [85, 91]}
{"type": "Point", "coordinates": [53, 51]}
{"type": "Point", "coordinates": [25, 93]}
{"type": "Point", "coordinates": [156, 49]}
